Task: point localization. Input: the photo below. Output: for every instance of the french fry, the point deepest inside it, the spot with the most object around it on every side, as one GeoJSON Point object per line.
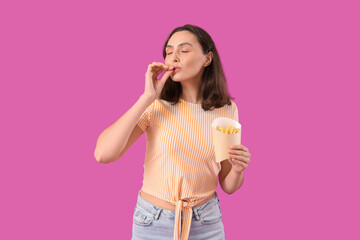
{"type": "Point", "coordinates": [221, 129]}
{"type": "Point", "coordinates": [229, 130]}
{"type": "Point", "coordinates": [236, 130]}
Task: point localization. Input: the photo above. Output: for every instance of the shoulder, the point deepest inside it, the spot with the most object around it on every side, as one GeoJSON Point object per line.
{"type": "Point", "coordinates": [161, 106]}
{"type": "Point", "coordinates": [157, 103]}
{"type": "Point", "coordinates": [233, 106]}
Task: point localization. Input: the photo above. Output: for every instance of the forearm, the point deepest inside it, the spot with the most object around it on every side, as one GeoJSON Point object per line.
{"type": "Point", "coordinates": [113, 139]}
{"type": "Point", "coordinates": [233, 181]}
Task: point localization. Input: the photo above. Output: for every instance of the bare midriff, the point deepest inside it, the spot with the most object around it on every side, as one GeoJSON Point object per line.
{"type": "Point", "coordinates": [166, 205]}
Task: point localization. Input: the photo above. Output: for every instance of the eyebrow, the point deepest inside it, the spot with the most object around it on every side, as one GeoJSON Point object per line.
{"type": "Point", "coordinates": [181, 44]}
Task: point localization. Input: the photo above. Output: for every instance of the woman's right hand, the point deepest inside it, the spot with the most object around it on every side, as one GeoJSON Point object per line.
{"type": "Point", "coordinates": [154, 86]}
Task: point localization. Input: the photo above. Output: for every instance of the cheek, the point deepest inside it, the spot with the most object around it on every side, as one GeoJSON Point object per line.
{"type": "Point", "coordinates": [194, 64]}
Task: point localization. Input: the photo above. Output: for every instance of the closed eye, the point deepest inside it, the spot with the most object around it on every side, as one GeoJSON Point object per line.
{"type": "Point", "coordinates": [181, 51]}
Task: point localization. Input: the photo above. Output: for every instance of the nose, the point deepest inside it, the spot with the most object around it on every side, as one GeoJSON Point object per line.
{"type": "Point", "coordinates": [174, 57]}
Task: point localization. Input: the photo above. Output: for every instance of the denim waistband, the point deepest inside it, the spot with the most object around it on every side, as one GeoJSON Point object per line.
{"type": "Point", "coordinates": [144, 204]}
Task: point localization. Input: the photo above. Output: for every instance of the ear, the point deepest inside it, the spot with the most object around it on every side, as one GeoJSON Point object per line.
{"type": "Point", "coordinates": [208, 58]}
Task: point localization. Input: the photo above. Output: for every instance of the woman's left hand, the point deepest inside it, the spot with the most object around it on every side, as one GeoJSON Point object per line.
{"type": "Point", "coordinates": [239, 157]}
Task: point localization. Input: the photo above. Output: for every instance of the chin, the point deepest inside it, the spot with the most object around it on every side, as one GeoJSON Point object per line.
{"type": "Point", "coordinates": [176, 79]}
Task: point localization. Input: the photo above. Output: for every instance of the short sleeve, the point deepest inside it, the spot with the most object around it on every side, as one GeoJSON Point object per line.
{"type": "Point", "coordinates": [236, 113]}
{"type": "Point", "coordinates": [145, 118]}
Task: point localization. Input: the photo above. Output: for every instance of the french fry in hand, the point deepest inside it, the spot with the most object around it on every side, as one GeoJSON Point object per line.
{"type": "Point", "coordinates": [229, 130]}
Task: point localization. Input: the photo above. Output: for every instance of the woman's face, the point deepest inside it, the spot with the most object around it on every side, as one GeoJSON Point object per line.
{"type": "Point", "coordinates": [183, 50]}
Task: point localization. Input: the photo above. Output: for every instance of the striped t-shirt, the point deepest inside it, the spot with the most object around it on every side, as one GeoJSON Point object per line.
{"type": "Point", "coordinates": [180, 164]}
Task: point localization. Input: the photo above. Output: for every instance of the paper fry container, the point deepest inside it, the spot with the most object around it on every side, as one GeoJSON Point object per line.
{"type": "Point", "coordinates": [223, 141]}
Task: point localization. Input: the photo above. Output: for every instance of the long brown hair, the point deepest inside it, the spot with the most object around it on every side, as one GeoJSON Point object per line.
{"type": "Point", "coordinates": [213, 88]}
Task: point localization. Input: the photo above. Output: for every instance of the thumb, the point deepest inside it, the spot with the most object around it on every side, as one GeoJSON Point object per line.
{"type": "Point", "coordinates": [165, 76]}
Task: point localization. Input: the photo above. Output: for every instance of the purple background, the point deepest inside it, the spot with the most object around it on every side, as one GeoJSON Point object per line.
{"type": "Point", "coordinates": [69, 69]}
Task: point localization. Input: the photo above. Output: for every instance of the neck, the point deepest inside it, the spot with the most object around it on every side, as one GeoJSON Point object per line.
{"type": "Point", "coordinates": [191, 91]}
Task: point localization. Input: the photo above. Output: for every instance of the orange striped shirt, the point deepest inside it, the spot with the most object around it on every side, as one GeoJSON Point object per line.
{"type": "Point", "coordinates": [180, 162]}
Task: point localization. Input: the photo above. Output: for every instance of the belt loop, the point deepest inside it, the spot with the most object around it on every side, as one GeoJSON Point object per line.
{"type": "Point", "coordinates": [196, 214]}
{"type": "Point", "coordinates": [158, 213]}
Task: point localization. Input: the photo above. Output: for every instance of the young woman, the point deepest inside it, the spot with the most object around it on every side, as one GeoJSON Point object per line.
{"type": "Point", "coordinates": [178, 199]}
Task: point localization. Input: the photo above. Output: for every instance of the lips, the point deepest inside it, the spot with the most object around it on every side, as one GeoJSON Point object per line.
{"type": "Point", "coordinates": [176, 69]}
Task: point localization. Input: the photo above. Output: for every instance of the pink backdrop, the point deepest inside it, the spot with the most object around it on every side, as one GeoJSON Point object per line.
{"type": "Point", "coordinates": [69, 69]}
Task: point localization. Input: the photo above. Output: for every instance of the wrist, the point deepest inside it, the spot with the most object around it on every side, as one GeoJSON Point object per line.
{"type": "Point", "coordinates": [147, 98]}
{"type": "Point", "coordinates": [237, 171]}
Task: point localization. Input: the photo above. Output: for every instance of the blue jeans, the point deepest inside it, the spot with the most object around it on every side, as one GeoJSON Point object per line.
{"type": "Point", "coordinates": [153, 223]}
